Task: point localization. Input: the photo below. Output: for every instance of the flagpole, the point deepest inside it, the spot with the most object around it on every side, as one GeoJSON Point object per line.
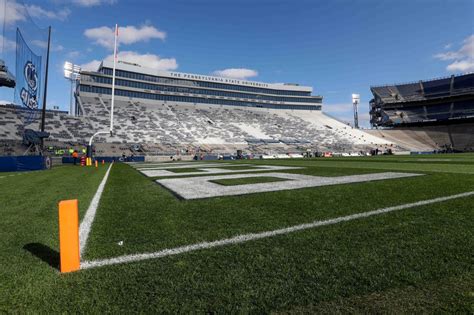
{"type": "Point", "coordinates": [43, 111]}
{"type": "Point", "coordinates": [113, 82]}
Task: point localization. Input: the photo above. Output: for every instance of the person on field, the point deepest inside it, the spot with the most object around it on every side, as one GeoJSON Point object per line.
{"type": "Point", "coordinates": [75, 155]}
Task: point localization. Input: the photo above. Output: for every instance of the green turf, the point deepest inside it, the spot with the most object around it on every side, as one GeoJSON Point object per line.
{"type": "Point", "coordinates": [417, 260]}
{"type": "Point", "coordinates": [247, 180]}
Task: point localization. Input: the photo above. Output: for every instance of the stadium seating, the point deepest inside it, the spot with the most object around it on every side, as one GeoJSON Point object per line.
{"type": "Point", "coordinates": [171, 127]}
{"type": "Point", "coordinates": [437, 88]}
{"type": "Point", "coordinates": [424, 90]}
{"type": "Point", "coordinates": [463, 83]}
{"type": "Point", "coordinates": [458, 137]}
{"type": "Point", "coordinates": [432, 108]}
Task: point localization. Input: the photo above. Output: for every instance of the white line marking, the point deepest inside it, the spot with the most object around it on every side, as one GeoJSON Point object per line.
{"type": "Point", "coordinates": [395, 168]}
{"type": "Point", "coordinates": [217, 170]}
{"type": "Point", "coordinates": [203, 187]}
{"type": "Point", "coordinates": [17, 174]}
{"type": "Point", "coordinates": [195, 165]}
{"type": "Point", "coordinates": [86, 223]}
{"type": "Point", "coordinates": [256, 236]}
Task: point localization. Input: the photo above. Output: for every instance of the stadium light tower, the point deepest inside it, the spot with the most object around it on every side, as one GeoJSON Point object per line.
{"type": "Point", "coordinates": [355, 104]}
{"type": "Point", "coordinates": [72, 72]}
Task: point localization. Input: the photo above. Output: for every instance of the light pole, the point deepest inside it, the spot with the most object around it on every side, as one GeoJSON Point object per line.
{"type": "Point", "coordinates": [355, 104]}
{"type": "Point", "coordinates": [72, 72]}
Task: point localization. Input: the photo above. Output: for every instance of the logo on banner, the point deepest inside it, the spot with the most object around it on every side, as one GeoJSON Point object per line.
{"type": "Point", "coordinates": [29, 96]}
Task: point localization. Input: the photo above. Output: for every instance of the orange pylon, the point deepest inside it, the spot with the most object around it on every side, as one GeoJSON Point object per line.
{"type": "Point", "coordinates": [69, 236]}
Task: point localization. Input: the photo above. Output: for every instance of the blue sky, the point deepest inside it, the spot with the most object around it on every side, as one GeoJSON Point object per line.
{"type": "Point", "coordinates": [338, 47]}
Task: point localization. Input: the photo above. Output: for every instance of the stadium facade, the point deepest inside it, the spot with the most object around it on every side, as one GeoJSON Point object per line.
{"type": "Point", "coordinates": [438, 113]}
{"type": "Point", "coordinates": [137, 82]}
{"type": "Point", "coordinates": [438, 100]}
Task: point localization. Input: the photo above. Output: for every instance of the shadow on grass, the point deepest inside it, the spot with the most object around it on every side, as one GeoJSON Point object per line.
{"type": "Point", "coordinates": [45, 253]}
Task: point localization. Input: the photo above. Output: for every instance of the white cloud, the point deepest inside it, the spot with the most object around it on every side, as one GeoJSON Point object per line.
{"type": "Point", "coordinates": [236, 73]}
{"type": "Point", "coordinates": [461, 66]}
{"type": "Point", "coordinates": [73, 54]}
{"type": "Point", "coordinates": [44, 45]}
{"type": "Point", "coordinates": [463, 58]}
{"type": "Point", "coordinates": [92, 3]}
{"type": "Point", "coordinates": [16, 12]}
{"type": "Point", "coordinates": [104, 35]}
{"type": "Point", "coordinates": [39, 12]}
{"type": "Point", "coordinates": [145, 60]}
{"type": "Point", "coordinates": [10, 45]}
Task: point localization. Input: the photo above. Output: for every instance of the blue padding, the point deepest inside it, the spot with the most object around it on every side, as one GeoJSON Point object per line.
{"type": "Point", "coordinates": [68, 159]}
{"type": "Point", "coordinates": [421, 152]}
{"type": "Point", "coordinates": [22, 163]}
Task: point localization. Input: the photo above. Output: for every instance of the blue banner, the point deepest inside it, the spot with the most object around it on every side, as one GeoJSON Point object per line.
{"type": "Point", "coordinates": [28, 74]}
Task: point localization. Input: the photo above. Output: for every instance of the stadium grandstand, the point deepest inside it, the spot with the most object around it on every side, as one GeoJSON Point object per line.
{"type": "Point", "coordinates": [162, 113]}
{"type": "Point", "coordinates": [435, 114]}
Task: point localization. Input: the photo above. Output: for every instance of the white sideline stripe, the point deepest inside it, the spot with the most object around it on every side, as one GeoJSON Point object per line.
{"type": "Point", "coordinates": [256, 236]}
{"type": "Point", "coordinates": [86, 223]}
{"type": "Point", "coordinates": [22, 173]}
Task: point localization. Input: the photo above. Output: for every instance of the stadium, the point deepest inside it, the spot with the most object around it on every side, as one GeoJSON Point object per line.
{"type": "Point", "coordinates": [205, 114]}
{"type": "Point", "coordinates": [151, 190]}
{"type": "Point", "coordinates": [438, 113]}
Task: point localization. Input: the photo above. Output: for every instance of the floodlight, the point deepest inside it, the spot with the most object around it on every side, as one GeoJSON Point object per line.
{"type": "Point", "coordinates": [72, 72]}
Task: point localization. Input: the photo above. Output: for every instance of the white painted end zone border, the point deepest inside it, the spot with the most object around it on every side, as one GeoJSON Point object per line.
{"type": "Point", "coordinates": [256, 236]}
{"type": "Point", "coordinates": [86, 224]}
{"type": "Point", "coordinates": [203, 187]}
{"type": "Point", "coordinates": [217, 170]}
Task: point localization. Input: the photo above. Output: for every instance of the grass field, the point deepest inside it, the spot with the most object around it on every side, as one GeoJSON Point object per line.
{"type": "Point", "coordinates": [413, 260]}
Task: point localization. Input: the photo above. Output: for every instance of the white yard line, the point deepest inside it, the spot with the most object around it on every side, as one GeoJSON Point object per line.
{"type": "Point", "coordinates": [256, 236]}
{"type": "Point", "coordinates": [86, 223]}
{"type": "Point", "coordinates": [22, 173]}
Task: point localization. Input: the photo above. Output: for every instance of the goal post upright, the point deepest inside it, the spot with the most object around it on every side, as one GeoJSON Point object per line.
{"type": "Point", "coordinates": [111, 128]}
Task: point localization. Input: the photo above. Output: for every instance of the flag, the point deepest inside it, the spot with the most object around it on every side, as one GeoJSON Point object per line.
{"type": "Point", "coordinates": [28, 74]}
